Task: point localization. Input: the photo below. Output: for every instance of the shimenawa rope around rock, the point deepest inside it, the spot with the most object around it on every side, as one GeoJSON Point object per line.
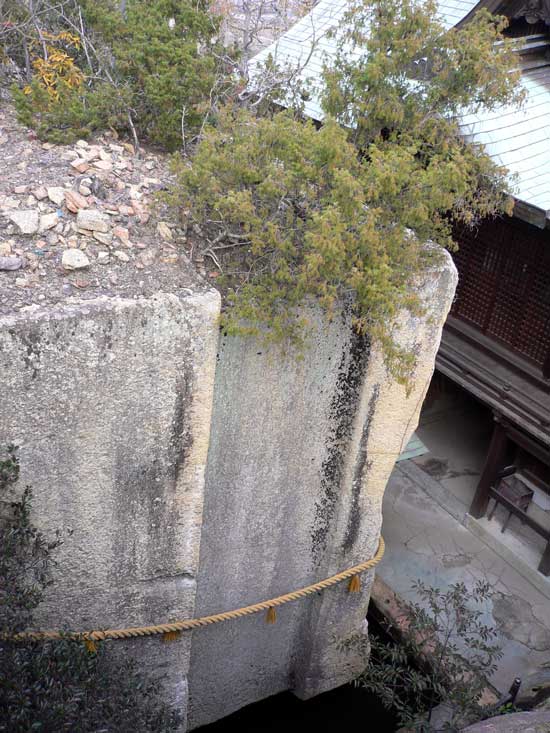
{"type": "Point", "coordinates": [171, 631]}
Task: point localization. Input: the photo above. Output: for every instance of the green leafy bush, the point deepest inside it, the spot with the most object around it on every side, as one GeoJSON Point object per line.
{"type": "Point", "coordinates": [291, 203]}
{"type": "Point", "coordinates": [347, 212]}
{"type": "Point", "coordinates": [74, 113]}
{"type": "Point", "coordinates": [58, 686]}
{"type": "Point", "coordinates": [149, 71]}
{"type": "Point", "coordinates": [443, 653]}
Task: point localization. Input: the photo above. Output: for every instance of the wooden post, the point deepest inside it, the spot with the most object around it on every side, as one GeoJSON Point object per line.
{"type": "Point", "coordinates": [544, 565]}
{"type": "Point", "coordinates": [494, 460]}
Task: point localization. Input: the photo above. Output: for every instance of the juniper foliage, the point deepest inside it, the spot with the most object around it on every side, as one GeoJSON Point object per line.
{"type": "Point", "coordinates": [347, 212]}
{"type": "Point", "coordinates": [149, 69]}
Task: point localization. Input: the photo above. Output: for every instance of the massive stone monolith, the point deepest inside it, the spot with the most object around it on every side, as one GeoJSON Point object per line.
{"type": "Point", "coordinates": [300, 453]}
{"type": "Point", "coordinates": [109, 401]}
{"type": "Point", "coordinates": [199, 473]}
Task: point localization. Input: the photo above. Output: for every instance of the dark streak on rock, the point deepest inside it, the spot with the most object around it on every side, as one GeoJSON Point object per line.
{"type": "Point", "coordinates": [342, 410]}
{"type": "Point", "coordinates": [354, 518]}
{"type": "Point", "coordinates": [181, 439]}
{"type": "Point", "coordinates": [31, 342]}
{"type": "Point", "coordinates": [146, 491]}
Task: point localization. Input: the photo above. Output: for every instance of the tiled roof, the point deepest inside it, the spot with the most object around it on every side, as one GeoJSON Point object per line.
{"type": "Point", "coordinates": [453, 11]}
{"type": "Point", "coordinates": [520, 140]}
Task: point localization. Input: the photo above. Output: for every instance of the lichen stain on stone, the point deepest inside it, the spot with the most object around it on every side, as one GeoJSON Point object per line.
{"type": "Point", "coordinates": [181, 440]}
{"type": "Point", "coordinates": [107, 334]}
{"type": "Point", "coordinates": [31, 344]}
{"type": "Point", "coordinates": [146, 508]}
{"type": "Point", "coordinates": [143, 514]}
{"type": "Point", "coordinates": [351, 372]}
{"type": "Point", "coordinates": [354, 519]}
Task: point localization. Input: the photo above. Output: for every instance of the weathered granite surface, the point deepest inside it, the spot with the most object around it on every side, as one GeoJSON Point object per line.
{"type": "Point", "coordinates": [109, 401]}
{"type": "Point", "coordinates": [114, 402]}
{"type": "Point", "coordinates": [300, 452]}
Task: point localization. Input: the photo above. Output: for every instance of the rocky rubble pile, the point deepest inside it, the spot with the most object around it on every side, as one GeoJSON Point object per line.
{"type": "Point", "coordinates": [82, 219]}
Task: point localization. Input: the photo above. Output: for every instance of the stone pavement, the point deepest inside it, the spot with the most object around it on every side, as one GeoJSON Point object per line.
{"type": "Point", "coordinates": [426, 542]}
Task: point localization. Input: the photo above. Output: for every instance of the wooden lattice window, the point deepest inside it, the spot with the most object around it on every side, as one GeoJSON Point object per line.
{"type": "Point", "coordinates": [504, 285]}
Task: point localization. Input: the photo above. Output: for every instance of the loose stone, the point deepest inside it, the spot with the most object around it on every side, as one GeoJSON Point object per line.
{"type": "Point", "coordinates": [27, 220]}
{"type": "Point", "coordinates": [48, 221]}
{"type": "Point", "coordinates": [164, 230]}
{"type": "Point", "coordinates": [11, 263]}
{"type": "Point", "coordinates": [104, 237]}
{"type": "Point", "coordinates": [80, 165]}
{"type": "Point", "coordinates": [92, 219]}
{"type": "Point", "coordinates": [74, 259]}
{"type": "Point", "coordinates": [103, 165]}
{"type": "Point", "coordinates": [75, 201]}
{"type": "Point", "coordinates": [56, 194]}
{"type": "Point", "coordinates": [40, 193]}
{"type": "Point", "coordinates": [121, 233]}
{"type": "Point", "coordinates": [147, 258]}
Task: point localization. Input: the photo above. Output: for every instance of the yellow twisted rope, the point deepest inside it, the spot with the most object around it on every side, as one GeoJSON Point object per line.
{"type": "Point", "coordinates": [193, 623]}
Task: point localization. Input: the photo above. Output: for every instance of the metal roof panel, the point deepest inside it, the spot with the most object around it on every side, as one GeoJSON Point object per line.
{"type": "Point", "coordinates": [518, 139]}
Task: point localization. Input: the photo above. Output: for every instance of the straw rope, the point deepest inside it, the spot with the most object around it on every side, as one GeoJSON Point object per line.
{"type": "Point", "coordinates": [194, 623]}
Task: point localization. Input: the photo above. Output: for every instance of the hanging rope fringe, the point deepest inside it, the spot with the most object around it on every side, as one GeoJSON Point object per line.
{"type": "Point", "coordinates": [168, 630]}
{"type": "Point", "coordinates": [90, 645]}
{"type": "Point", "coordinates": [271, 615]}
{"type": "Point", "coordinates": [171, 636]}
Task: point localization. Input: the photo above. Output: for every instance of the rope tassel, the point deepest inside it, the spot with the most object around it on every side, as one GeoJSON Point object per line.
{"type": "Point", "coordinates": [354, 585]}
{"type": "Point", "coordinates": [169, 636]}
{"type": "Point", "coordinates": [90, 645]}
{"type": "Point", "coordinates": [271, 616]}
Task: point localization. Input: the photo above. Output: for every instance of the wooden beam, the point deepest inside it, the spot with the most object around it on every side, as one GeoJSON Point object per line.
{"type": "Point", "coordinates": [529, 444]}
{"type": "Point", "coordinates": [534, 11]}
{"type": "Point", "coordinates": [517, 512]}
{"type": "Point", "coordinates": [530, 213]}
{"type": "Point", "coordinates": [544, 565]}
{"type": "Point", "coordinates": [493, 462]}
{"type": "Point", "coordinates": [493, 6]}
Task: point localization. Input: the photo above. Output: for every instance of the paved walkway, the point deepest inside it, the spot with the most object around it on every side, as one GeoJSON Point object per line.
{"type": "Point", "coordinates": [425, 541]}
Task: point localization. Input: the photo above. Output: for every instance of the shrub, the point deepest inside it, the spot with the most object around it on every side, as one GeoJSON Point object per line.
{"type": "Point", "coordinates": [290, 202]}
{"type": "Point", "coordinates": [72, 114]}
{"type": "Point", "coordinates": [348, 213]}
{"type": "Point", "coordinates": [148, 71]}
{"type": "Point", "coordinates": [443, 652]}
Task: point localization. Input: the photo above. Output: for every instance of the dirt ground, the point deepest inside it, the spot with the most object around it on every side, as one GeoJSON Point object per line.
{"type": "Point", "coordinates": [51, 194]}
